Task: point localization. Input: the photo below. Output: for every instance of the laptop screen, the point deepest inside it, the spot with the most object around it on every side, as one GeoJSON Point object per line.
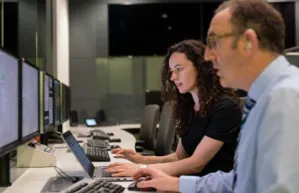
{"type": "Point", "coordinates": [79, 152]}
{"type": "Point", "coordinates": [91, 122]}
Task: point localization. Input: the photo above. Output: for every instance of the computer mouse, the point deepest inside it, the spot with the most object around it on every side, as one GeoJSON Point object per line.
{"type": "Point", "coordinates": [110, 134]}
{"type": "Point", "coordinates": [133, 187]}
{"type": "Point", "coordinates": [114, 146]}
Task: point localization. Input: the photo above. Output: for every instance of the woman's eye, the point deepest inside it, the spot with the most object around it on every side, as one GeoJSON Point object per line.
{"type": "Point", "coordinates": [179, 68]}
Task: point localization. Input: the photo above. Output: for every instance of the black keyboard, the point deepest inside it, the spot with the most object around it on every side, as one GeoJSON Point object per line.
{"type": "Point", "coordinates": [100, 135]}
{"type": "Point", "coordinates": [97, 186]}
{"type": "Point", "coordinates": [97, 154]}
{"type": "Point", "coordinates": [97, 143]}
{"type": "Point", "coordinates": [97, 131]}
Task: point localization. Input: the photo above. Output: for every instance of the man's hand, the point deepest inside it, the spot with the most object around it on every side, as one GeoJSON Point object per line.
{"type": "Point", "coordinates": [157, 179]}
{"type": "Point", "coordinates": [127, 154]}
{"type": "Point", "coordinates": [122, 169]}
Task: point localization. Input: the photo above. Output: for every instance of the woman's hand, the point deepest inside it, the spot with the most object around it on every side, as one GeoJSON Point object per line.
{"type": "Point", "coordinates": [122, 169]}
{"type": "Point", "coordinates": [127, 154]}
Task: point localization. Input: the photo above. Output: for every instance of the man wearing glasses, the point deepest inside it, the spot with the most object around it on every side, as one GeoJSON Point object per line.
{"type": "Point", "coordinates": [245, 44]}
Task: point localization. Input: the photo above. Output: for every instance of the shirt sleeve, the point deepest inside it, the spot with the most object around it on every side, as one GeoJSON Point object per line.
{"type": "Point", "coordinates": [225, 121]}
{"type": "Point", "coordinates": [211, 183]}
{"type": "Point", "coordinates": [277, 151]}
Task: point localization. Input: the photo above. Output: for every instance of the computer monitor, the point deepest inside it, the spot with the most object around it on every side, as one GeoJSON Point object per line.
{"type": "Point", "coordinates": [9, 102]}
{"type": "Point", "coordinates": [48, 103]}
{"type": "Point", "coordinates": [63, 102]}
{"type": "Point", "coordinates": [57, 103]}
{"type": "Point", "coordinates": [30, 101]}
{"type": "Point", "coordinates": [68, 102]}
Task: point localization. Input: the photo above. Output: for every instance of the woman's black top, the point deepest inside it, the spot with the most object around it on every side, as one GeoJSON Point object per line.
{"type": "Point", "coordinates": [221, 123]}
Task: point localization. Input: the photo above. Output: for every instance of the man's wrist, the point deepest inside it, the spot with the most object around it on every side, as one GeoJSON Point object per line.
{"type": "Point", "coordinates": [175, 184]}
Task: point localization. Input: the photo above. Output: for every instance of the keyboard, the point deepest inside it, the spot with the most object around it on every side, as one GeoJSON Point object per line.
{"type": "Point", "coordinates": [97, 154]}
{"type": "Point", "coordinates": [89, 185]}
{"type": "Point", "coordinates": [97, 143]}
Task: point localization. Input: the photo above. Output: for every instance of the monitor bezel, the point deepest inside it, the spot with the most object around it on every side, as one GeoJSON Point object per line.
{"type": "Point", "coordinates": [63, 91]}
{"type": "Point", "coordinates": [37, 133]}
{"type": "Point", "coordinates": [14, 144]}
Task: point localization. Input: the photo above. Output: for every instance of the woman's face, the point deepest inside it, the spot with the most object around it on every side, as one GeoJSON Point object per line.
{"type": "Point", "coordinates": [183, 72]}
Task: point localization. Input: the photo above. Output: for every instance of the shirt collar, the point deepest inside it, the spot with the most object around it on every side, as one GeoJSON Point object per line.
{"type": "Point", "coordinates": [262, 81]}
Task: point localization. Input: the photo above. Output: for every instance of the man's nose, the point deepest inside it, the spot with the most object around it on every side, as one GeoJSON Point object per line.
{"type": "Point", "coordinates": [209, 54]}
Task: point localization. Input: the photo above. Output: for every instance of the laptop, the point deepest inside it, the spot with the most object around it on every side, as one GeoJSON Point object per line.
{"type": "Point", "coordinates": [91, 170]}
{"type": "Point", "coordinates": [90, 122]}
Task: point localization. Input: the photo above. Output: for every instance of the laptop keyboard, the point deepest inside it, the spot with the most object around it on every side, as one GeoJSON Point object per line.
{"type": "Point", "coordinates": [103, 173]}
{"type": "Point", "coordinates": [97, 154]}
{"type": "Point", "coordinates": [97, 143]}
{"type": "Point", "coordinates": [97, 186]}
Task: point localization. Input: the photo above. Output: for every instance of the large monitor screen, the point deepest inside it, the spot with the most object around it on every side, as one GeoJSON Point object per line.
{"type": "Point", "coordinates": [57, 106]}
{"type": "Point", "coordinates": [48, 101]}
{"type": "Point", "coordinates": [68, 102]}
{"type": "Point", "coordinates": [9, 99]}
{"type": "Point", "coordinates": [30, 98]}
{"type": "Point", "coordinates": [64, 105]}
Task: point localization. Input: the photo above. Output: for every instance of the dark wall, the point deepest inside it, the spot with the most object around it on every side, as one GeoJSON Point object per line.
{"type": "Point", "coordinates": [89, 25]}
{"type": "Point", "coordinates": [10, 26]}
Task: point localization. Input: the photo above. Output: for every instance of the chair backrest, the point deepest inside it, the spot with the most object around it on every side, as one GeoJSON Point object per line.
{"type": "Point", "coordinates": [74, 120]}
{"type": "Point", "coordinates": [149, 121]}
{"type": "Point", "coordinates": [166, 131]}
{"type": "Point", "coordinates": [100, 116]}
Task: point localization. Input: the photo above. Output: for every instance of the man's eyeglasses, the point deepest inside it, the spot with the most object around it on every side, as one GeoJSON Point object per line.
{"type": "Point", "coordinates": [212, 40]}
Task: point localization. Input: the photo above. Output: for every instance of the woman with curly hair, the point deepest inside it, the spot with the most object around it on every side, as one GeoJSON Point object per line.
{"type": "Point", "coordinates": [208, 118]}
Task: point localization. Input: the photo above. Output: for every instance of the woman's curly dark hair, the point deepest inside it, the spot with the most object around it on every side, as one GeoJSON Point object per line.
{"type": "Point", "coordinates": [209, 88]}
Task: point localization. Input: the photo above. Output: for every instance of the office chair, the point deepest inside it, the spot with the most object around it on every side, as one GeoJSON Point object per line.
{"type": "Point", "coordinates": [166, 131]}
{"type": "Point", "coordinates": [148, 130]}
{"type": "Point", "coordinates": [74, 120]}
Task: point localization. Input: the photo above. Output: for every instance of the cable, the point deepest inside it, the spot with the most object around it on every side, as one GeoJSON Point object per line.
{"type": "Point", "coordinates": [65, 176]}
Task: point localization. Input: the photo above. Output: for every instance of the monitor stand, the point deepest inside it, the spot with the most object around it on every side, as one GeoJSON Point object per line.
{"type": "Point", "coordinates": [36, 156]}
{"type": "Point", "coordinates": [44, 138]}
{"type": "Point", "coordinates": [60, 128]}
{"type": "Point", "coordinates": [5, 171]}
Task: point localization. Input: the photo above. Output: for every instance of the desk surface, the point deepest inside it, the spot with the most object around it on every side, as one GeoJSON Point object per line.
{"type": "Point", "coordinates": [33, 179]}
